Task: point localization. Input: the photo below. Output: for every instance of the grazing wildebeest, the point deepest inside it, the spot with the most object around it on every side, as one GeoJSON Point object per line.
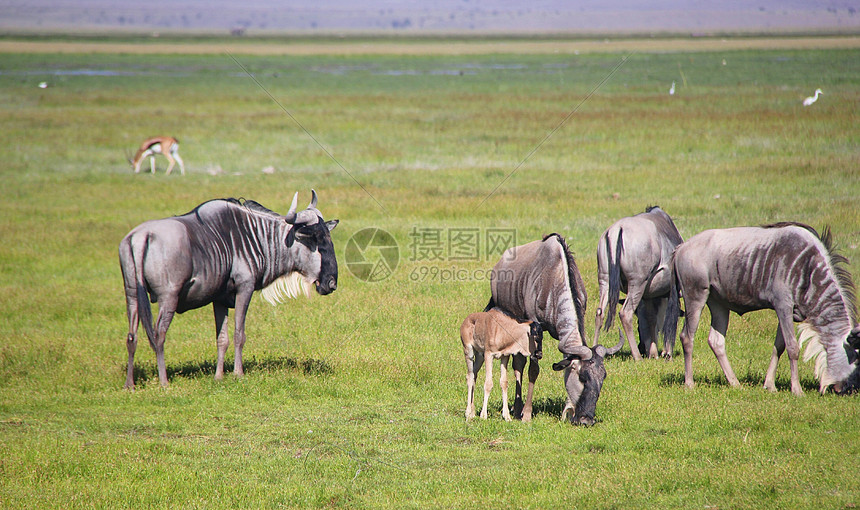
{"type": "Point", "coordinates": [220, 253]}
{"type": "Point", "coordinates": [540, 282]}
{"type": "Point", "coordinates": [786, 267]}
{"type": "Point", "coordinates": [634, 256]}
{"type": "Point", "coordinates": [493, 334]}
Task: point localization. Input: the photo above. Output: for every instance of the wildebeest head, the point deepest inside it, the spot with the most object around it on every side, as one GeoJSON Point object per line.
{"type": "Point", "coordinates": [584, 382]}
{"type": "Point", "coordinates": [310, 245]}
{"type": "Point", "coordinates": [852, 349]}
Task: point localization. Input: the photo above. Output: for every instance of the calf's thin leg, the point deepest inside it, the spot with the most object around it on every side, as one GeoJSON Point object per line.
{"type": "Point", "coordinates": [717, 339]}
{"type": "Point", "coordinates": [488, 384]}
{"type": "Point", "coordinates": [503, 382]}
{"type": "Point", "coordinates": [778, 349]}
{"type": "Point", "coordinates": [473, 364]}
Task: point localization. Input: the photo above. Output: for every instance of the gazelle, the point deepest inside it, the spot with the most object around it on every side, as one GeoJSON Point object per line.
{"type": "Point", "coordinates": [166, 145]}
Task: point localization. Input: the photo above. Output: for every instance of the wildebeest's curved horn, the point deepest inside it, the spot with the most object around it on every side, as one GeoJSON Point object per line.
{"type": "Point", "coordinates": [291, 214]}
{"type": "Point", "coordinates": [313, 203]}
{"type": "Point", "coordinates": [617, 347]}
{"type": "Point", "coordinates": [581, 352]}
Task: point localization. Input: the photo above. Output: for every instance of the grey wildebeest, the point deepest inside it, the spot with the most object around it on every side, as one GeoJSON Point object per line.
{"type": "Point", "coordinates": [540, 282]}
{"type": "Point", "coordinates": [634, 256]}
{"type": "Point", "coordinates": [493, 334]}
{"type": "Point", "coordinates": [786, 267]}
{"type": "Point", "coordinates": [220, 253]}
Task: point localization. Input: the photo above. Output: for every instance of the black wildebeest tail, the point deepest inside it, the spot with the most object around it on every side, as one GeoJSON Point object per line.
{"type": "Point", "coordinates": [490, 305]}
{"type": "Point", "coordinates": [614, 278]}
{"type": "Point", "coordinates": [673, 311]}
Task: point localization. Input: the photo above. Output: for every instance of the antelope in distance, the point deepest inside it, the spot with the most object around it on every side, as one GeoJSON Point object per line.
{"type": "Point", "coordinates": [166, 145]}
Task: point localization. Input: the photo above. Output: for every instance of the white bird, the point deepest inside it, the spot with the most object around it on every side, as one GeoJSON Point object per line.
{"type": "Point", "coordinates": [43, 85]}
{"type": "Point", "coordinates": [672, 89]}
{"type": "Point", "coordinates": [811, 99]}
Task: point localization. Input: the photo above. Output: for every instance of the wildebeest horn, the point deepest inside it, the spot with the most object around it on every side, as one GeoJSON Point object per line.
{"type": "Point", "coordinates": [291, 214]}
{"type": "Point", "coordinates": [313, 203]}
{"type": "Point", "coordinates": [581, 352]}
{"type": "Point", "coordinates": [617, 347]}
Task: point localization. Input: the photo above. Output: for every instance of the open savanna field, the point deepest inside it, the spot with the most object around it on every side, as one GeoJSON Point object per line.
{"type": "Point", "coordinates": [356, 399]}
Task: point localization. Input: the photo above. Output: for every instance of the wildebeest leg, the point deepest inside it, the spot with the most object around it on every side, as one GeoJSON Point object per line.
{"type": "Point", "coordinates": [473, 364]}
{"type": "Point", "coordinates": [488, 384]}
{"type": "Point", "coordinates": [518, 364]}
{"type": "Point", "coordinates": [694, 305]}
{"type": "Point", "coordinates": [534, 370]}
{"type": "Point", "coordinates": [166, 310]}
{"type": "Point", "coordinates": [602, 301]}
{"type": "Point", "coordinates": [786, 325]}
{"type": "Point", "coordinates": [243, 299]}
{"type": "Point", "coordinates": [634, 296]}
{"type": "Point", "coordinates": [222, 339]}
{"type": "Point", "coordinates": [648, 321]}
{"type": "Point", "coordinates": [778, 349]}
{"type": "Point", "coordinates": [503, 382]}
{"type": "Point", "coordinates": [131, 339]}
{"type": "Point", "coordinates": [717, 339]}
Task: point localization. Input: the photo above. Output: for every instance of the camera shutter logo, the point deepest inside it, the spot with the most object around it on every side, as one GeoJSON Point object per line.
{"type": "Point", "coordinates": [372, 254]}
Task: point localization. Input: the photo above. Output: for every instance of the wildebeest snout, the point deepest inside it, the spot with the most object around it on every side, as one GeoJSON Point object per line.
{"type": "Point", "coordinates": [584, 421]}
{"type": "Point", "coordinates": [328, 286]}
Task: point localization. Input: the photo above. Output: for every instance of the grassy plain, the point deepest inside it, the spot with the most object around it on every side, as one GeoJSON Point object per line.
{"type": "Point", "coordinates": [356, 399]}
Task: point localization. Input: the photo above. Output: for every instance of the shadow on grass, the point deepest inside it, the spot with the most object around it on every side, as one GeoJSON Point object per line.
{"type": "Point", "coordinates": [551, 406]}
{"type": "Point", "coordinates": [310, 366]}
{"type": "Point", "coordinates": [750, 379]}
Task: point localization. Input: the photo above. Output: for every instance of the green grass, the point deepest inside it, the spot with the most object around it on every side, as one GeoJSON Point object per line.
{"type": "Point", "coordinates": [356, 399]}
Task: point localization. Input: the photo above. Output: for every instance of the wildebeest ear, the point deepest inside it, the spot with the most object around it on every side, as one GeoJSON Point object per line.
{"type": "Point", "coordinates": [331, 224]}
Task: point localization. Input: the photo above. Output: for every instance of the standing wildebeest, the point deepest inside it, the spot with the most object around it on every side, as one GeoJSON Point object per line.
{"type": "Point", "coordinates": [540, 282]}
{"type": "Point", "coordinates": [220, 253]}
{"type": "Point", "coordinates": [492, 334]}
{"type": "Point", "coordinates": [634, 256]}
{"type": "Point", "coordinates": [786, 267]}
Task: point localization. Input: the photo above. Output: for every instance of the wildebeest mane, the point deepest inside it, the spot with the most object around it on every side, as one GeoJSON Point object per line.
{"type": "Point", "coordinates": [651, 208]}
{"type": "Point", "coordinates": [572, 271]}
{"type": "Point", "coordinates": [837, 261]}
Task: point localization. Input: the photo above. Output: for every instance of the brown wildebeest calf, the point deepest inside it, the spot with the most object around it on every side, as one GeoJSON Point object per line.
{"type": "Point", "coordinates": [492, 334]}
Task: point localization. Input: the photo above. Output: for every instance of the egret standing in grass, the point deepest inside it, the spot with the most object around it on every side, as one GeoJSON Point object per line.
{"type": "Point", "coordinates": [811, 99]}
{"type": "Point", "coordinates": [672, 89]}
